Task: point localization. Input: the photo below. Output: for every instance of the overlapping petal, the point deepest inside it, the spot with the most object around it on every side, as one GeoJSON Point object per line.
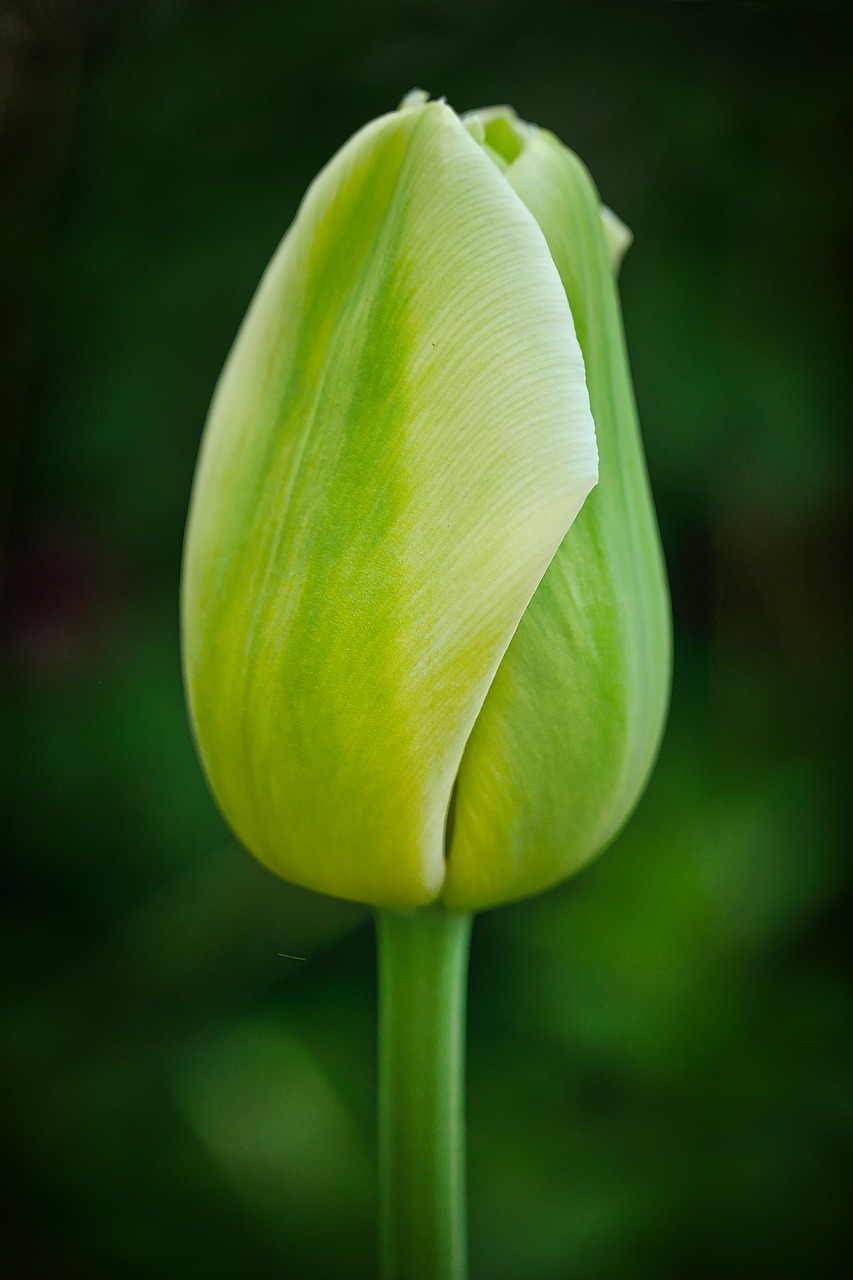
{"type": "Point", "coordinates": [571, 724]}
{"type": "Point", "coordinates": [398, 444]}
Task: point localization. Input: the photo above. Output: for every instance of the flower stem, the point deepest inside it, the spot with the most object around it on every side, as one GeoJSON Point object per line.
{"type": "Point", "coordinates": [423, 969]}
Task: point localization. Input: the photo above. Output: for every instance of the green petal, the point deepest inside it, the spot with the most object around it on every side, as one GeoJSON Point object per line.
{"type": "Point", "coordinates": [570, 727]}
{"type": "Point", "coordinates": [398, 443]}
{"type": "Point", "coordinates": [619, 238]}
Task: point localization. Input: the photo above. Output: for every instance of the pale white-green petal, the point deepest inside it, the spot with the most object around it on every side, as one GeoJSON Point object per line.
{"type": "Point", "coordinates": [569, 730]}
{"type": "Point", "coordinates": [399, 441]}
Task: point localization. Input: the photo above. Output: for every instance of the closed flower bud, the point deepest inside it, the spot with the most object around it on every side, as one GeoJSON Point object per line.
{"type": "Point", "coordinates": [426, 657]}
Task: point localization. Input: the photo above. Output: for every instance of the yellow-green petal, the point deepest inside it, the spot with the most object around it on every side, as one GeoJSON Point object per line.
{"type": "Point", "coordinates": [568, 733]}
{"type": "Point", "coordinates": [399, 442]}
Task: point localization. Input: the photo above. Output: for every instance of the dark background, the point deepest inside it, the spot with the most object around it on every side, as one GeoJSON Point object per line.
{"type": "Point", "coordinates": [661, 1052]}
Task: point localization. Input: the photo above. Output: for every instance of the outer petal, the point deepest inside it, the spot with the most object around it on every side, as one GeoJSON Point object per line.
{"type": "Point", "coordinates": [399, 441]}
{"type": "Point", "coordinates": [570, 727]}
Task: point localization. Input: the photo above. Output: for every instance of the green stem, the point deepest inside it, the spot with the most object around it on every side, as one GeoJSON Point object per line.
{"type": "Point", "coordinates": [423, 968]}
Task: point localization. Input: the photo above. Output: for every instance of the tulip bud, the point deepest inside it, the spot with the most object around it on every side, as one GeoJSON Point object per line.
{"type": "Point", "coordinates": [414, 672]}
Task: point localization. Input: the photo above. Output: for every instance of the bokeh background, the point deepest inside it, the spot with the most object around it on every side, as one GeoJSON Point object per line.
{"type": "Point", "coordinates": [661, 1052]}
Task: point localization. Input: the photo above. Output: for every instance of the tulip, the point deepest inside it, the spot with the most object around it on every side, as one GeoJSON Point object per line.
{"type": "Point", "coordinates": [415, 672]}
{"type": "Point", "coordinates": [425, 618]}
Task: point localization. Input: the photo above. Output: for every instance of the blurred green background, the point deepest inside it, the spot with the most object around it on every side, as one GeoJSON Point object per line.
{"type": "Point", "coordinates": [661, 1052]}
